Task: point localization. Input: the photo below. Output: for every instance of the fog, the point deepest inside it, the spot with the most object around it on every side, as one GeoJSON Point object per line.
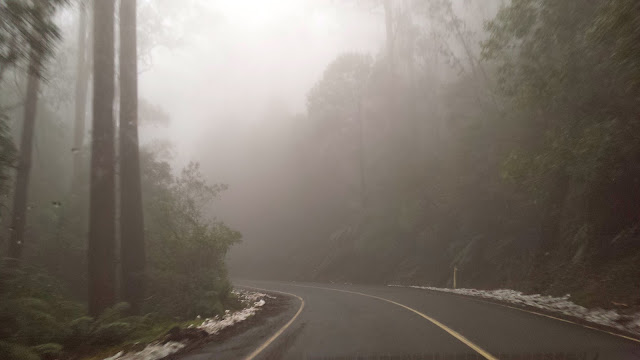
{"type": "Point", "coordinates": [163, 160]}
{"type": "Point", "coordinates": [248, 57]}
{"type": "Point", "coordinates": [230, 89]}
{"type": "Point", "coordinates": [234, 84]}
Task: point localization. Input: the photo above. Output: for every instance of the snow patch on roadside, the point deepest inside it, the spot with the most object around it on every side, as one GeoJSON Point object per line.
{"type": "Point", "coordinates": [212, 326]}
{"type": "Point", "coordinates": [561, 305]}
{"type": "Point", "coordinates": [150, 352]}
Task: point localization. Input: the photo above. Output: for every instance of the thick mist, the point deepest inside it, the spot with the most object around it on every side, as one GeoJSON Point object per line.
{"type": "Point", "coordinates": [232, 92]}
{"type": "Point", "coordinates": [163, 160]}
{"type": "Point", "coordinates": [235, 88]}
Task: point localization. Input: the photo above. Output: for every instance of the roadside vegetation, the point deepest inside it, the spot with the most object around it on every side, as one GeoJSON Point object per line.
{"type": "Point", "coordinates": [63, 293]}
{"type": "Point", "coordinates": [498, 137]}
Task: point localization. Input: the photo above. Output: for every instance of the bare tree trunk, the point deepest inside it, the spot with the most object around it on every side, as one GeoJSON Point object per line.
{"type": "Point", "coordinates": [361, 157]}
{"type": "Point", "coordinates": [388, 20]}
{"type": "Point", "coordinates": [475, 64]}
{"type": "Point", "coordinates": [82, 83]}
{"type": "Point", "coordinates": [18, 221]}
{"type": "Point", "coordinates": [132, 249]}
{"type": "Point", "coordinates": [101, 247]}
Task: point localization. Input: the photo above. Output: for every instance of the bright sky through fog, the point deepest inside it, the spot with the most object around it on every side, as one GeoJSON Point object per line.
{"type": "Point", "coordinates": [251, 54]}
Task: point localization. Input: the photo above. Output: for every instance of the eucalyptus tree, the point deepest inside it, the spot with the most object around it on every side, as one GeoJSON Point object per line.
{"type": "Point", "coordinates": [101, 244]}
{"type": "Point", "coordinates": [27, 35]}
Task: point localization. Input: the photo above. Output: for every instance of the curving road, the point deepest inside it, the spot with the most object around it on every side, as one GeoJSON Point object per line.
{"type": "Point", "coordinates": [377, 322]}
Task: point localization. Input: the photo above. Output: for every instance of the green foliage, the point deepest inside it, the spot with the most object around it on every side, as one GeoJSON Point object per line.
{"type": "Point", "coordinates": [114, 313]}
{"type": "Point", "coordinates": [80, 330]}
{"type": "Point", "coordinates": [525, 164]}
{"type": "Point", "coordinates": [34, 314]}
{"type": "Point", "coordinates": [186, 248]}
{"type": "Point", "coordinates": [13, 351]}
{"type": "Point", "coordinates": [111, 333]}
{"type": "Point", "coordinates": [27, 28]}
{"type": "Point", "coordinates": [332, 103]}
{"type": "Point", "coordinates": [48, 351]}
{"type": "Point", "coordinates": [616, 20]}
{"type": "Point", "coordinates": [113, 327]}
{"type": "Point", "coordinates": [7, 154]}
{"type": "Point", "coordinates": [33, 307]}
{"type": "Point", "coordinates": [572, 88]}
{"type": "Point", "coordinates": [40, 308]}
{"type": "Point", "coordinates": [187, 275]}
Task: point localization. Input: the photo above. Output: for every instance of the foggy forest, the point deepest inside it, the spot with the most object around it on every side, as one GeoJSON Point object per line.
{"type": "Point", "coordinates": [155, 154]}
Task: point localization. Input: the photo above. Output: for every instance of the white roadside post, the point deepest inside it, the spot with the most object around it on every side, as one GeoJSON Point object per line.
{"type": "Point", "coordinates": [455, 273]}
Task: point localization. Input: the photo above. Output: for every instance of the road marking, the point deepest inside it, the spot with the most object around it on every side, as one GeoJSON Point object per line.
{"type": "Point", "coordinates": [472, 298]}
{"type": "Point", "coordinates": [270, 340]}
{"type": "Point", "coordinates": [451, 332]}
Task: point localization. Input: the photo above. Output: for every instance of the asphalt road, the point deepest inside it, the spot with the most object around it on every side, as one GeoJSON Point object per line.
{"type": "Point", "coordinates": [378, 322]}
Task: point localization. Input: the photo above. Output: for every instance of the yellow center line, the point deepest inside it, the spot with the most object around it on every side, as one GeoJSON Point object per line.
{"type": "Point", "coordinates": [270, 340]}
{"type": "Point", "coordinates": [442, 326]}
{"type": "Point", "coordinates": [452, 332]}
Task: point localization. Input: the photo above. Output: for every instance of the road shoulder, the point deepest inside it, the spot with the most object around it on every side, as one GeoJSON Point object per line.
{"type": "Point", "coordinates": [242, 339]}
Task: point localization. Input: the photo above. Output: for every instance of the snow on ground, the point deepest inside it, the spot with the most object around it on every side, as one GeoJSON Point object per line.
{"type": "Point", "coordinates": [150, 352]}
{"type": "Point", "coordinates": [212, 326]}
{"type": "Point", "coordinates": [561, 305]}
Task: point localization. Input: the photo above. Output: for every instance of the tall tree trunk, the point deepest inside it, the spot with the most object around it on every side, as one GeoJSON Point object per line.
{"type": "Point", "coordinates": [101, 249]}
{"type": "Point", "coordinates": [361, 157]}
{"type": "Point", "coordinates": [132, 250]}
{"type": "Point", "coordinates": [388, 21]}
{"type": "Point", "coordinates": [18, 221]}
{"type": "Point", "coordinates": [82, 83]}
{"type": "Point", "coordinates": [475, 65]}
{"type": "Point", "coordinates": [390, 47]}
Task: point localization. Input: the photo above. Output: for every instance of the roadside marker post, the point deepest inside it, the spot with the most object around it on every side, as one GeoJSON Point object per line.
{"type": "Point", "coordinates": [455, 275]}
